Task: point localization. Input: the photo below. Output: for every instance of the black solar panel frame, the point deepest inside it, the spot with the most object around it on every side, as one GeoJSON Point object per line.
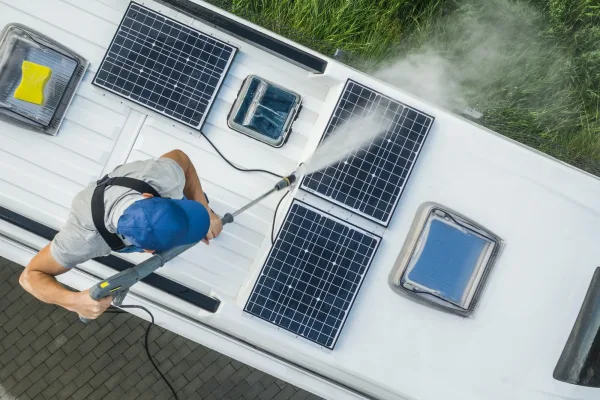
{"type": "Point", "coordinates": [217, 91]}
{"type": "Point", "coordinates": [385, 223]}
{"type": "Point", "coordinates": [273, 249]}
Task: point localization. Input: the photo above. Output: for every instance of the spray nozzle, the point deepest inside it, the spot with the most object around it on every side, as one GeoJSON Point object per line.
{"type": "Point", "coordinates": [286, 181]}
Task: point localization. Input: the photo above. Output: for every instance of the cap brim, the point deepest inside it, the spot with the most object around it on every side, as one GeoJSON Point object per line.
{"type": "Point", "coordinates": [198, 218]}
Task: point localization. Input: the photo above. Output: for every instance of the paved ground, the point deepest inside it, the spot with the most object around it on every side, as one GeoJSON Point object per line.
{"type": "Point", "coordinates": [46, 353]}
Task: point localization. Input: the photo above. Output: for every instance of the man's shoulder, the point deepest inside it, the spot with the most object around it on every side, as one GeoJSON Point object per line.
{"type": "Point", "coordinates": [164, 174]}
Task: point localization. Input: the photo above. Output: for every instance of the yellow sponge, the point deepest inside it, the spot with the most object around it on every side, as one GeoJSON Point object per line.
{"type": "Point", "coordinates": [31, 88]}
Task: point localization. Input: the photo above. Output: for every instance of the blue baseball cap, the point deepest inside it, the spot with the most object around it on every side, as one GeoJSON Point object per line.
{"type": "Point", "coordinates": [161, 224]}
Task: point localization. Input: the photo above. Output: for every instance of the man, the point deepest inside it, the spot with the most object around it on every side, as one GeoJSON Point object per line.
{"type": "Point", "coordinates": [143, 206]}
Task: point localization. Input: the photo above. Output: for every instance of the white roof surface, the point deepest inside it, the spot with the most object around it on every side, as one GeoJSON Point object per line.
{"type": "Point", "coordinates": [390, 347]}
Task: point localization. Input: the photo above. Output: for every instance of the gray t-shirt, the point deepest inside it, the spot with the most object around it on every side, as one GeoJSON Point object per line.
{"type": "Point", "coordinates": [79, 241]}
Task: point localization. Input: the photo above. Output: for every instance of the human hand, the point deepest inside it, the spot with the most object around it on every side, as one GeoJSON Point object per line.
{"type": "Point", "coordinates": [89, 308]}
{"type": "Point", "coordinates": [216, 226]}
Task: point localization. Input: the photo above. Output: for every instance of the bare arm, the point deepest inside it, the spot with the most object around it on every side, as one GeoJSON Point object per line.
{"type": "Point", "coordinates": [38, 278]}
{"type": "Point", "coordinates": [193, 190]}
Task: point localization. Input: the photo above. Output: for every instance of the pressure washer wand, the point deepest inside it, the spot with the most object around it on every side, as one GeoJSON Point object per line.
{"type": "Point", "coordinates": [118, 285]}
{"type": "Point", "coordinates": [282, 184]}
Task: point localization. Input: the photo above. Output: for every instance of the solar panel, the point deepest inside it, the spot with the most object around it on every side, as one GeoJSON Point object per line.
{"type": "Point", "coordinates": [312, 274]}
{"type": "Point", "coordinates": [370, 181]}
{"type": "Point", "coordinates": [164, 65]}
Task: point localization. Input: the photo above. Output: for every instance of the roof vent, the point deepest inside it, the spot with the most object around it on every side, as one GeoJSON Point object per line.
{"type": "Point", "coordinates": [38, 78]}
{"type": "Point", "coordinates": [445, 261]}
{"type": "Point", "coordinates": [264, 111]}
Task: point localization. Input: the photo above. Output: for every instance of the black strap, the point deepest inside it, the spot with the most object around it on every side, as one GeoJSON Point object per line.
{"type": "Point", "coordinates": [98, 209]}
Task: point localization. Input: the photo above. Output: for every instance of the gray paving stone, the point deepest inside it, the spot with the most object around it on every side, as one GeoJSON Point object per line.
{"type": "Point", "coordinates": [180, 354]}
{"type": "Point", "coordinates": [99, 393]}
{"type": "Point", "coordinates": [254, 391]}
{"type": "Point", "coordinates": [84, 377]}
{"type": "Point", "coordinates": [132, 366]}
{"type": "Point", "coordinates": [40, 357]}
{"type": "Point", "coordinates": [68, 376]}
{"type": "Point", "coordinates": [13, 323]}
{"type": "Point", "coordinates": [224, 373]}
{"type": "Point", "coordinates": [7, 384]}
{"type": "Point", "coordinates": [23, 371]}
{"type": "Point", "coordinates": [178, 370]}
{"type": "Point", "coordinates": [72, 344]}
{"type": "Point", "coordinates": [209, 372]}
{"type": "Point", "coordinates": [41, 342]}
{"type": "Point", "coordinates": [36, 388]}
{"type": "Point", "coordinates": [114, 381]}
{"type": "Point", "coordinates": [120, 333]}
{"type": "Point", "coordinates": [38, 374]}
{"type": "Point", "coordinates": [130, 381]}
{"type": "Point", "coordinates": [132, 393]}
{"type": "Point", "coordinates": [70, 360]}
{"type": "Point", "coordinates": [147, 395]}
{"type": "Point", "coordinates": [58, 313]}
{"type": "Point", "coordinates": [8, 370]}
{"type": "Point", "coordinates": [99, 379]}
{"type": "Point", "coordinates": [10, 339]}
{"type": "Point", "coordinates": [238, 391]}
{"type": "Point", "coordinates": [196, 355]}
{"type": "Point", "coordinates": [53, 374]}
{"type": "Point", "coordinates": [67, 390]}
{"type": "Point", "coordinates": [192, 386]}
{"type": "Point", "coordinates": [194, 370]}
{"type": "Point", "coordinates": [8, 355]}
{"type": "Point", "coordinates": [269, 392]}
{"type": "Point", "coordinates": [223, 360]}
{"type": "Point", "coordinates": [117, 394]}
{"type": "Point", "coordinates": [83, 392]}
{"type": "Point", "coordinates": [300, 395]}
{"type": "Point", "coordinates": [42, 326]}
{"type": "Point", "coordinates": [236, 364]}
{"type": "Point", "coordinates": [28, 324]}
{"type": "Point", "coordinates": [208, 387]}
{"type": "Point", "coordinates": [164, 353]}
{"type": "Point", "coordinates": [165, 338]}
{"type": "Point", "coordinates": [86, 361]}
{"type": "Point", "coordinates": [101, 363]}
{"type": "Point", "coordinates": [104, 332]}
{"type": "Point", "coordinates": [254, 377]}
{"type": "Point", "coordinates": [179, 383]}
{"type": "Point", "coordinates": [21, 386]}
{"type": "Point", "coordinates": [223, 389]}
{"type": "Point", "coordinates": [145, 383]}
{"type": "Point", "coordinates": [57, 343]}
{"type": "Point", "coordinates": [209, 358]}
{"type": "Point", "coordinates": [116, 365]}
{"type": "Point", "coordinates": [31, 307]}
{"type": "Point", "coordinates": [87, 345]}
{"type": "Point", "coordinates": [103, 347]}
{"type": "Point", "coordinates": [285, 393]}
{"type": "Point", "coordinates": [118, 349]}
{"type": "Point", "coordinates": [25, 341]}
{"type": "Point", "coordinates": [135, 335]}
{"type": "Point", "coordinates": [59, 327]}
{"type": "Point", "coordinates": [240, 374]}
{"type": "Point", "coordinates": [52, 389]}
{"type": "Point", "coordinates": [132, 352]}
{"type": "Point", "coordinates": [91, 329]}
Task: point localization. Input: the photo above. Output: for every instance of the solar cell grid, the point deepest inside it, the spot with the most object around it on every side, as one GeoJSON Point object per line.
{"type": "Point", "coordinates": [164, 65]}
{"type": "Point", "coordinates": [370, 181]}
{"type": "Point", "coordinates": [312, 275]}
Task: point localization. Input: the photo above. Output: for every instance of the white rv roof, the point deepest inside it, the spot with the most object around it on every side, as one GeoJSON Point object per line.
{"type": "Point", "coordinates": [548, 214]}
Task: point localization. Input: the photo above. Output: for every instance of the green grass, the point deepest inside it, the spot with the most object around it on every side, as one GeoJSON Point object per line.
{"type": "Point", "coordinates": [531, 66]}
